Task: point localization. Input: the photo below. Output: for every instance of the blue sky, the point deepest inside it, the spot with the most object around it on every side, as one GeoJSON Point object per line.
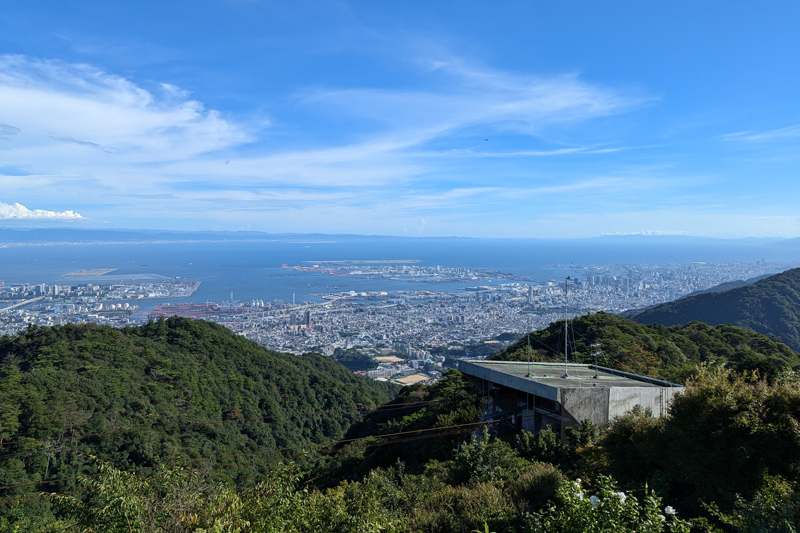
{"type": "Point", "coordinates": [485, 119]}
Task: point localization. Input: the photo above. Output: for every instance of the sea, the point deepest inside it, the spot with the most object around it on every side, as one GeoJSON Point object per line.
{"type": "Point", "coordinates": [251, 269]}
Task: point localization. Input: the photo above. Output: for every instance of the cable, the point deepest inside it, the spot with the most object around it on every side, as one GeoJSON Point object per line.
{"type": "Point", "coordinates": [463, 428]}
{"type": "Point", "coordinates": [395, 441]}
{"type": "Point", "coordinates": [239, 465]}
{"type": "Point", "coordinates": [41, 495]}
{"type": "Point", "coordinates": [383, 408]}
{"type": "Point", "coordinates": [331, 443]}
{"type": "Point", "coordinates": [213, 422]}
{"type": "Point", "coordinates": [545, 345]}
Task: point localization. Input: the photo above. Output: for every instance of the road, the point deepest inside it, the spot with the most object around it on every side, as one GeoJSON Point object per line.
{"type": "Point", "coordinates": [20, 304]}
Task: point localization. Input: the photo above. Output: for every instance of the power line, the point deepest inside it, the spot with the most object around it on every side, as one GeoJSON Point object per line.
{"type": "Point", "coordinates": [275, 450]}
{"type": "Point", "coordinates": [461, 429]}
{"type": "Point", "coordinates": [382, 408]}
{"type": "Point", "coordinates": [372, 444]}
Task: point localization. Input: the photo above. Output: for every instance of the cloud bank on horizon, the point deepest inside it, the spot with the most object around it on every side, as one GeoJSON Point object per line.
{"type": "Point", "coordinates": [343, 123]}
{"type": "Point", "coordinates": [20, 212]}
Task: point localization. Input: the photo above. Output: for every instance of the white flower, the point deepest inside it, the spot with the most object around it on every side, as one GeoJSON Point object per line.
{"type": "Point", "coordinates": [662, 517]}
{"type": "Point", "coordinates": [595, 500]}
{"type": "Point", "coordinates": [622, 497]}
{"type": "Point", "coordinates": [669, 510]}
{"type": "Point", "coordinates": [579, 494]}
{"type": "Point", "coordinates": [577, 483]}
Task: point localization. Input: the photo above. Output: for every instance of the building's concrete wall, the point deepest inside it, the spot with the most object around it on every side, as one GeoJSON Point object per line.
{"type": "Point", "coordinates": [600, 404]}
{"type": "Point", "coordinates": [623, 399]}
{"type": "Point", "coordinates": [579, 404]}
{"type": "Point", "coordinates": [669, 396]}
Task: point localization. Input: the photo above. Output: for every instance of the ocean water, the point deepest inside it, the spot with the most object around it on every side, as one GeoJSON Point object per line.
{"type": "Point", "coordinates": [252, 269]}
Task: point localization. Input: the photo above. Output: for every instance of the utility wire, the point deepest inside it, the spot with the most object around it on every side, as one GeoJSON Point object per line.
{"type": "Point", "coordinates": [380, 409]}
{"type": "Point", "coordinates": [274, 450]}
{"type": "Point", "coordinates": [455, 430]}
{"type": "Point", "coordinates": [212, 422]}
{"type": "Point", "coordinates": [239, 465]}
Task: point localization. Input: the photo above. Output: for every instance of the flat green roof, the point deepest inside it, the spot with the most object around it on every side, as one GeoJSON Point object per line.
{"type": "Point", "coordinates": [550, 374]}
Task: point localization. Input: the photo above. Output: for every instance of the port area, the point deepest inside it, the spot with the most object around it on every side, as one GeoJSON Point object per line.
{"type": "Point", "coordinates": [405, 270]}
{"type": "Point", "coordinates": [189, 310]}
{"type": "Point", "coordinates": [90, 272]}
{"type": "Point", "coordinates": [80, 299]}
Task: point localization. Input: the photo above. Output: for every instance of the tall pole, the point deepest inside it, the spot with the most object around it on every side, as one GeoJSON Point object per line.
{"type": "Point", "coordinates": [597, 346]}
{"type": "Point", "coordinates": [566, 325]}
{"type": "Point", "coordinates": [529, 346]}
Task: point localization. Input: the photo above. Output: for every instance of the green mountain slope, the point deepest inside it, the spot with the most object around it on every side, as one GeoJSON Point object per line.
{"type": "Point", "coordinates": [70, 391]}
{"type": "Point", "coordinates": [728, 285]}
{"type": "Point", "coordinates": [770, 306]}
{"type": "Point", "coordinates": [450, 403]}
{"type": "Point", "coordinates": [664, 352]}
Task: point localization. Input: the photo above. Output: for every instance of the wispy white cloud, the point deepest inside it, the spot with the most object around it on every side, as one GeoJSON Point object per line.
{"type": "Point", "coordinates": [51, 102]}
{"type": "Point", "coordinates": [768, 135]}
{"type": "Point", "coordinates": [87, 136]}
{"type": "Point", "coordinates": [477, 96]}
{"type": "Point", "coordinates": [404, 123]}
{"type": "Point", "coordinates": [520, 153]}
{"type": "Point", "coordinates": [17, 211]}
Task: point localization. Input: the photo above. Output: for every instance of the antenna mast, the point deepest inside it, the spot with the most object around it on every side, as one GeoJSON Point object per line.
{"type": "Point", "coordinates": [598, 350]}
{"type": "Point", "coordinates": [529, 354]}
{"type": "Point", "coordinates": [529, 345]}
{"type": "Point", "coordinates": [566, 327]}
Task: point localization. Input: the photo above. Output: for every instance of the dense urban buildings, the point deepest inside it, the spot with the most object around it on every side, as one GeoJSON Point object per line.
{"type": "Point", "coordinates": [398, 325]}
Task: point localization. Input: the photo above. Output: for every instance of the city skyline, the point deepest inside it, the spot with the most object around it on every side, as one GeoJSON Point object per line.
{"type": "Point", "coordinates": [461, 119]}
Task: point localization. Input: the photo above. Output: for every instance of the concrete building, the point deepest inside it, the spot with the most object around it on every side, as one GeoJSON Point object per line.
{"type": "Point", "coordinates": [532, 396]}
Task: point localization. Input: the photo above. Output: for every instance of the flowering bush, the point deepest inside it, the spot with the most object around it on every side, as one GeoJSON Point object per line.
{"type": "Point", "coordinates": [607, 510]}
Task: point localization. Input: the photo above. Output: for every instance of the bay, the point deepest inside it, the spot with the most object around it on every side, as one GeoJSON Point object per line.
{"type": "Point", "coordinates": [252, 269]}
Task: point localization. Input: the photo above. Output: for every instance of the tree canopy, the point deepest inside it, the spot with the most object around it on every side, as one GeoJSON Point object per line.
{"type": "Point", "coordinates": [173, 389]}
{"type": "Point", "coordinates": [670, 353]}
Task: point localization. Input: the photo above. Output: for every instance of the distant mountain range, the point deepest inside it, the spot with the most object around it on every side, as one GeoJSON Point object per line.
{"type": "Point", "coordinates": [770, 306]}
{"type": "Point", "coordinates": [42, 235]}
{"type": "Point", "coordinates": [75, 234]}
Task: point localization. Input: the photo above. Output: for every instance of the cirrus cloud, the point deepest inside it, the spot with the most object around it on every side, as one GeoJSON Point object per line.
{"type": "Point", "coordinates": [54, 103]}
{"type": "Point", "coordinates": [136, 155]}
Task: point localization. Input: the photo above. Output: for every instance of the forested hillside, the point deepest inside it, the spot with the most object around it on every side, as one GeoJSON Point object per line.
{"type": "Point", "coordinates": [770, 306]}
{"type": "Point", "coordinates": [728, 285]}
{"type": "Point", "coordinates": [172, 390]}
{"type": "Point", "coordinates": [670, 353]}
{"type": "Point", "coordinates": [727, 458]}
{"type": "Point", "coordinates": [417, 413]}
{"type": "Point", "coordinates": [183, 426]}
